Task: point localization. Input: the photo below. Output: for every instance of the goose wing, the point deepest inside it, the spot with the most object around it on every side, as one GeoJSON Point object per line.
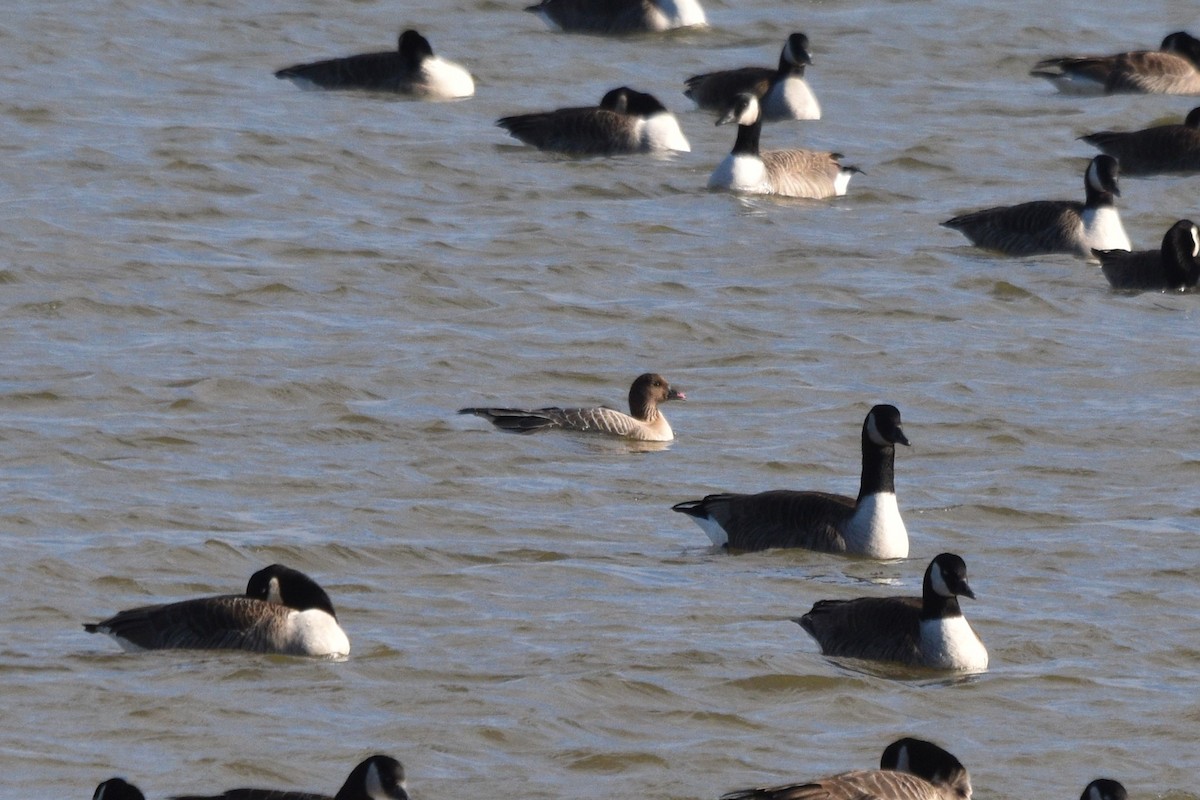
{"type": "Point", "coordinates": [226, 622]}
{"type": "Point", "coordinates": [802, 173]}
{"type": "Point", "coordinates": [384, 71]}
{"type": "Point", "coordinates": [255, 794]}
{"type": "Point", "coordinates": [778, 518]}
{"type": "Point", "coordinates": [1139, 270]}
{"type": "Point", "coordinates": [716, 90]}
{"type": "Point", "coordinates": [595, 16]}
{"type": "Point", "coordinates": [873, 784]}
{"type": "Point", "coordinates": [886, 628]}
{"type": "Point", "coordinates": [576, 131]}
{"type": "Point", "coordinates": [1164, 148]}
{"type": "Point", "coordinates": [1041, 226]}
{"type": "Point", "coordinates": [587, 420]}
{"type": "Point", "coordinates": [1153, 72]}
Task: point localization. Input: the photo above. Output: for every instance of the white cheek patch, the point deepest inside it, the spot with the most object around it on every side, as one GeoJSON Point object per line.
{"type": "Point", "coordinates": [873, 431]}
{"type": "Point", "coordinates": [273, 593]}
{"type": "Point", "coordinates": [938, 580]}
{"type": "Point", "coordinates": [1093, 177]}
{"type": "Point", "coordinates": [902, 762]}
{"type": "Point", "coordinates": [1195, 241]}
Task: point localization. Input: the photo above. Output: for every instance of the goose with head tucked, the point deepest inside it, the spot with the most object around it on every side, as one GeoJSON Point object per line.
{"type": "Point", "coordinates": [283, 611]}
{"type": "Point", "coordinates": [644, 422]}
{"type": "Point", "coordinates": [117, 789]}
{"type": "Point", "coordinates": [626, 122]}
{"type": "Point", "coordinates": [377, 778]}
{"type": "Point", "coordinates": [1153, 151]}
{"type": "Point", "coordinates": [869, 525]}
{"type": "Point", "coordinates": [619, 16]}
{"type": "Point", "coordinates": [813, 174]}
{"type": "Point", "coordinates": [1104, 789]}
{"type": "Point", "coordinates": [1053, 226]}
{"type": "Point", "coordinates": [926, 631]}
{"type": "Point", "coordinates": [782, 92]}
{"type": "Point", "coordinates": [1172, 69]}
{"type": "Point", "coordinates": [1174, 266]}
{"type": "Point", "coordinates": [411, 69]}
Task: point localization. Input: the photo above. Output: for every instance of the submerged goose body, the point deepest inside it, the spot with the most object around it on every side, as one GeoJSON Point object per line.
{"type": "Point", "coordinates": [625, 122]}
{"type": "Point", "coordinates": [117, 789]}
{"type": "Point", "coordinates": [812, 174]}
{"type": "Point", "coordinates": [910, 769]}
{"type": "Point", "coordinates": [411, 69]}
{"type": "Point", "coordinates": [926, 631]}
{"type": "Point", "coordinates": [376, 778]}
{"type": "Point", "coordinates": [619, 16]}
{"type": "Point", "coordinates": [644, 422]}
{"type": "Point", "coordinates": [782, 92]}
{"type": "Point", "coordinates": [1172, 69]}
{"type": "Point", "coordinates": [1152, 151]}
{"type": "Point", "coordinates": [1176, 265]}
{"type": "Point", "coordinates": [1053, 226]}
{"type": "Point", "coordinates": [283, 611]}
{"type": "Point", "coordinates": [869, 525]}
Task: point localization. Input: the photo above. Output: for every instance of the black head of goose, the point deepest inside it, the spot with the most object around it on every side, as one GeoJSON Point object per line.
{"type": "Point", "coordinates": [1176, 265]}
{"type": "Point", "coordinates": [625, 122]}
{"type": "Point", "coordinates": [282, 611]}
{"type": "Point", "coordinates": [644, 422]}
{"type": "Point", "coordinates": [117, 789]}
{"type": "Point", "coordinates": [782, 91]}
{"type": "Point", "coordinates": [619, 16]}
{"type": "Point", "coordinates": [1153, 151]}
{"type": "Point", "coordinates": [376, 778]}
{"type": "Point", "coordinates": [869, 525]}
{"type": "Point", "coordinates": [1174, 68]}
{"type": "Point", "coordinates": [926, 631]}
{"type": "Point", "coordinates": [813, 174]}
{"type": "Point", "coordinates": [1053, 226]}
{"type": "Point", "coordinates": [1104, 789]}
{"type": "Point", "coordinates": [410, 69]}
{"type": "Point", "coordinates": [910, 769]}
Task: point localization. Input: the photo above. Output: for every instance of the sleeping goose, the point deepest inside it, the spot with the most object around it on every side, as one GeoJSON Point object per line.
{"type": "Point", "coordinates": [117, 789]}
{"type": "Point", "coordinates": [926, 631]}
{"type": "Point", "coordinates": [1172, 69]}
{"type": "Point", "coordinates": [790, 173]}
{"type": "Point", "coordinates": [644, 421]}
{"type": "Point", "coordinates": [910, 769]}
{"type": "Point", "coordinates": [283, 611]}
{"type": "Point", "coordinates": [868, 526]}
{"type": "Point", "coordinates": [411, 69]}
{"type": "Point", "coordinates": [1104, 789]}
{"type": "Point", "coordinates": [619, 16]}
{"type": "Point", "coordinates": [626, 121]}
{"type": "Point", "coordinates": [377, 778]}
{"type": "Point", "coordinates": [1163, 148]}
{"type": "Point", "coordinates": [782, 91]}
{"type": "Point", "coordinates": [1176, 265]}
{"type": "Point", "coordinates": [1053, 226]}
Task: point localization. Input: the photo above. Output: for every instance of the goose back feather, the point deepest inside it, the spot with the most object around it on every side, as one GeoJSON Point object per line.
{"type": "Point", "coordinates": [1152, 151]}
{"type": "Point", "coordinates": [619, 16]}
{"type": "Point", "coordinates": [376, 778]}
{"type": "Point", "coordinates": [1176, 265]}
{"type": "Point", "coordinates": [1172, 69]}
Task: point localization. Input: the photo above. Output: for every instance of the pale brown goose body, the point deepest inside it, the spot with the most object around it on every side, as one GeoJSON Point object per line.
{"type": "Point", "coordinates": [1172, 69]}
{"type": "Point", "coordinates": [376, 778]}
{"type": "Point", "coordinates": [1153, 151]}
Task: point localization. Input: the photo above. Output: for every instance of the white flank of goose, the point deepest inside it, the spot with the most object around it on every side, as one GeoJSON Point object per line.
{"type": "Point", "coordinates": [1172, 69]}
{"type": "Point", "coordinates": [619, 16]}
{"type": "Point", "coordinates": [376, 778]}
{"type": "Point", "coordinates": [1053, 226]}
{"type": "Point", "coordinates": [868, 526]}
{"type": "Point", "coordinates": [1153, 151]}
{"type": "Point", "coordinates": [626, 121]}
{"type": "Point", "coordinates": [1176, 265]}
{"type": "Point", "coordinates": [411, 69]}
{"type": "Point", "coordinates": [782, 91]}
{"type": "Point", "coordinates": [926, 631]}
{"type": "Point", "coordinates": [644, 421]}
{"type": "Point", "coordinates": [283, 611]}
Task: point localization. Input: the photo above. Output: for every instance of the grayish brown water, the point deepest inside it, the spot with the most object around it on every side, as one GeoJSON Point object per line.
{"type": "Point", "coordinates": [238, 318]}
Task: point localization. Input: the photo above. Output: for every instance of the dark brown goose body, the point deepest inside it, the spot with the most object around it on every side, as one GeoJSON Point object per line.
{"type": "Point", "coordinates": [1153, 151]}
{"type": "Point", "coordinates": [376, 778]}
{"type": "Point", "coordinates": [781, 91]}
{"type": "Point", "coordinates": [1174, 266]}
{"type": "Point", "coordinates": [618, 16]}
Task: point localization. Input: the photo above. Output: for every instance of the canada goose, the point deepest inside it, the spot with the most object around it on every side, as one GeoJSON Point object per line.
{"type": "Point", "coordinates": [411, 69]}
{"type": "Point", "coordinates": [644, 421]}
{"type": "Point", "coordinates": [925, 631]}
{"type": "Point", "coordinates": [377, 778]}
{"type": "Point", "coordinates": [868, 526]}
{"type": "Point", "coordinates": [1104, 789]}
{"type": "Point", "coordinates": [1172, 69]}
{"type": "Point", "coordinates": [782, 91]}
{"type": "Point", "coordinates": [619, 16]}
{"type": "Point", "coordinates": [626, 121]}
{"type": "Point", "coordinates": [790, 173]}
{"type": "Point", "coordinates": [1163, 148]}
{"type": "Point", "coordinates": [117, 789]}
{"type": "Point", "coordinates": [910, 769]}
{"type": "Point", "coordinates": [1053, 226]}
{"type": "Point", "coordinates": [1176, 265]}
{"type": "Point", "coordinates": [282, 611]}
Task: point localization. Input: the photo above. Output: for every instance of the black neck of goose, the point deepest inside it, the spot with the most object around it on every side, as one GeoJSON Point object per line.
{"type": "Point", "coordinates": [787, 68]}
{"type": "Point", "coordinates": [747, 139]}
{"type": "Point", "coordinates": [1098, 198]}
{"type": "Point", "coordinates": [1182, 268]}
{"type": "Point", "coordinates": [878, 467]}
{"type": "Point", "coordinates": [936, 606]}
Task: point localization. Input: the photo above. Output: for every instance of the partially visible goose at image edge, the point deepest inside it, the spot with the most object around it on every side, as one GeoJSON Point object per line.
{"type": "Point", "coordinates": [1172, 69]}
{"type": "Point", "coordinates": [619, 16]}
{"type": "Point", "coordinates": [1104, 789]}
{"type": "Point", "coordinates": [781, 90]}
{"type": "Point", "coordinates": [283, 611]}
{"type": "Point", "coordinates": [644, 422]}
{"type": "Point", "coordinates": [376, 778]}
{"type": "Point", "coordinates": [869, 525]}
{"type": "Point", "coordinates": [1174, 266]}
{"type": "Point", "coordinates": [1153, 151]}
{"type": "Point", "coordinates": [626, 122]}
{"type": "Point", "coordinates": [117, 789]}
{"type": "Point", "coordinates": [926, 631]}
{"type": "Point", "coordinates": [410, 69]}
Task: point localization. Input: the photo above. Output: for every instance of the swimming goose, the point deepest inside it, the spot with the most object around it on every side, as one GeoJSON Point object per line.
{"type": "Point", "coordinates": [1104, 789]}
{"type": "Point", "coordinates": [925, 631]}
{"type": "Point", "coordinates": [1176, 265]}
{"type": "Point", "coordinates": [377, 778]}
{"type": "Point", "coordinates": [626, 121]}
{"type": "Point", "coordinates": [782, 91]}
{"type": "Point", "coordinates": [282, 611]}
{"type": "Point", "coordinates": [790, 173]}
{"type": "Point", "coordinates": [117, 789]}
{"type": "Point", "coordinates": [868, 526]}
{"type": "Point", "coordinates": [1053, 226]}
{"type": "Point", "coordinates": [1163, 148]}
{"type": "Point", "coordinates": [411, 69]}
{"type": "Point", "coordinates": [910, 769]}
{"type": "Point", "coordinates": [644, 421]}
{"type": "Point", "coordinates": [619, 16]}
{"type": "Point", "coordinates": [1172, 69]}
